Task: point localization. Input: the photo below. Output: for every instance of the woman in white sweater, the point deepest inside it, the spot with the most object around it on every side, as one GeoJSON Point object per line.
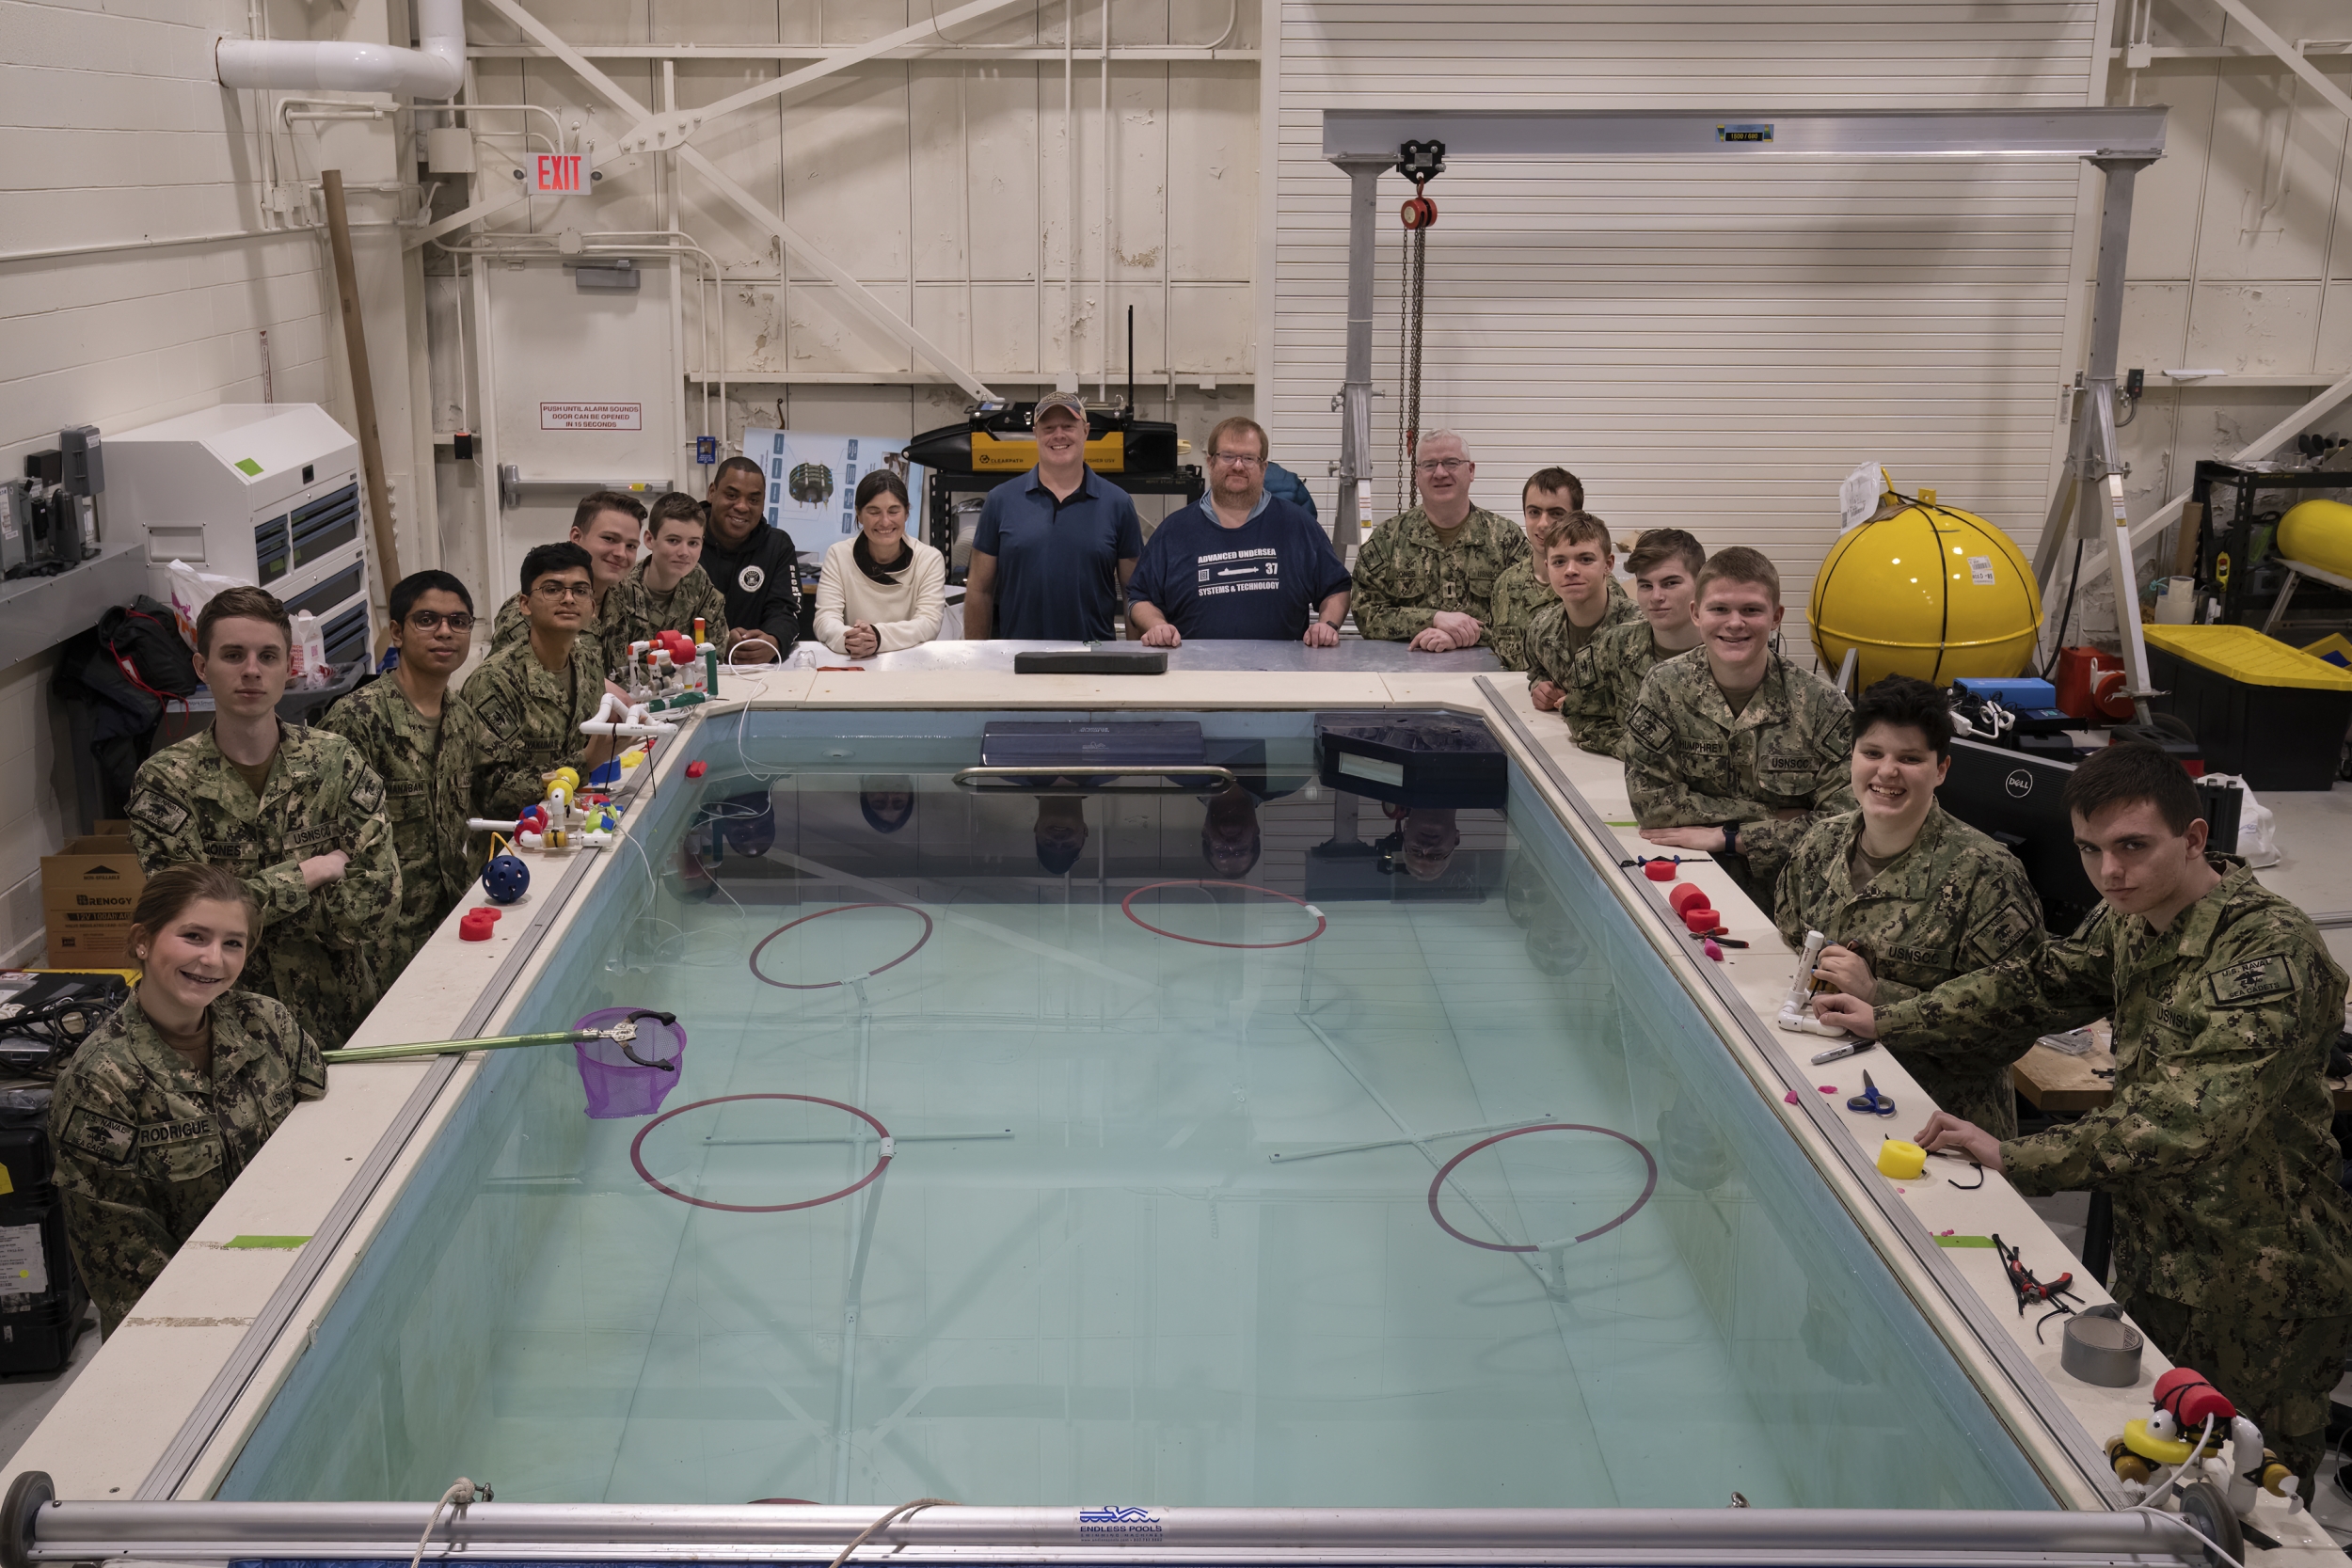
{"type": "Point", "coordinates": [879, 590]}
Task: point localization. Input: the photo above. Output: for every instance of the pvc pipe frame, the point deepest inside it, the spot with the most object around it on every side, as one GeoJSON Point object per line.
{"type": "Point", "coordinates": [433, 71]}
{"type": "Point", "coordinates": [219, 1531]}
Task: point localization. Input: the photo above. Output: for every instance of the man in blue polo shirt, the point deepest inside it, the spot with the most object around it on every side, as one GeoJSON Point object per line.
{"type": "Point", "coordinates": [1238, 563]}
{"type": "Point", "coordinates": [1054, 547]}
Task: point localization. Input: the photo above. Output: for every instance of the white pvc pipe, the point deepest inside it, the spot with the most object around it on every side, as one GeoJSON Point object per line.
{"type": "Point", "coordinates": [433, 71]}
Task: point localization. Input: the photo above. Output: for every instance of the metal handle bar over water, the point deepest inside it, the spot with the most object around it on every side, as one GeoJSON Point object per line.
{"type": "Point", "coordinates": [974, 778]}
{"type": "Point", "coordinates": [36, 1528]}
{"type": "Point", "coordinates": [622, 1034]}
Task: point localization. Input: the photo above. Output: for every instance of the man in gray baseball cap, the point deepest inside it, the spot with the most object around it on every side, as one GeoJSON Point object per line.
{"type": "Point", "coordinates": [1055, 547]}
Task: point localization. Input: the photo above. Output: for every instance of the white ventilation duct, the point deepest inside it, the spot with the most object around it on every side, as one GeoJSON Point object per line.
{"type": "Point", "coordinates": [431, 72]}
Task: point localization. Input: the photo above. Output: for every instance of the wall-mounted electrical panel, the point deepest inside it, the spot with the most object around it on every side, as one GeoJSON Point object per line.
{"type": "Point", "coordinates": [265, 493]}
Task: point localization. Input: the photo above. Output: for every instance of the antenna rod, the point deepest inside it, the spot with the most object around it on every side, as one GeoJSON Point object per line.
{"type": "Point", "coordinates": [1131, 360]}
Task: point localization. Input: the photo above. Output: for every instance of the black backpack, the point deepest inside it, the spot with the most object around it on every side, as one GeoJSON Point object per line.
{"type": "Point", "coordinates": [144, 642]}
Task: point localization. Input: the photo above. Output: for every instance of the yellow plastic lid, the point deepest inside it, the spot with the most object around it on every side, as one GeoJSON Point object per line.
{"type": "Point", "coordinates": [2249, 658]}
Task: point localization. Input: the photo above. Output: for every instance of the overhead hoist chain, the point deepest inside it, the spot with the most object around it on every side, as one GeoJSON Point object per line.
{"type": "Point", "coordinates": [1420, 162]}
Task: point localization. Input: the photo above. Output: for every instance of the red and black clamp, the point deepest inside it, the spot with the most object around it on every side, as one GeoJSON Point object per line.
{"type": "Point", "coordinates": [1420, 162]}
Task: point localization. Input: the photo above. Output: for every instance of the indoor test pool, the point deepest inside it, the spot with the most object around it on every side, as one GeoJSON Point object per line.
{"type": "Point", "coordinates": [1045, 1137]}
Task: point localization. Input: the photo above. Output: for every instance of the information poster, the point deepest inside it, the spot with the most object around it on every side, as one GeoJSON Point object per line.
{"type": "Point", "coordinates": [812, 479]}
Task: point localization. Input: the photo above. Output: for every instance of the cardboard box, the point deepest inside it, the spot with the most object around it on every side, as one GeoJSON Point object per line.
{"type": "Point", "coordinates": [91, 875]}
{"type": "Point", "coordinates": [110, 828]}
{"type": "Point", "coordinates": [78, 941]}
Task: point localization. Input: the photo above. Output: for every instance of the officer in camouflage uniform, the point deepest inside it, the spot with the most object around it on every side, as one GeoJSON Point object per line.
{"type": "Point", "coordinates": [1552, 642]}
{"type": "Point", "coordinates": [2233, 1240]}
{"type": "Point", "coordinates": [316, 799]}
{"type": "Point", "coordinates": [517, 720]}
{"type": "Point", "coordinates": [1605, 674]}
{"type": "Point", "coordinates": [1428, 575]}
{"type": "Point", "coordinates": [146, 1141]}
{"type": "Point", "coordinates": [396, 723]}
{"type": "Point", "coordinates": [606, 524]}
{"type": "Point", "coordinates": [1742, 786]}
{"type": "Point", "coordinates": [1948, 901]}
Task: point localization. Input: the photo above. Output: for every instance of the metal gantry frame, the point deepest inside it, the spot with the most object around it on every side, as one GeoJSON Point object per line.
{"type": "Point", "coordinates": [2119, 142]}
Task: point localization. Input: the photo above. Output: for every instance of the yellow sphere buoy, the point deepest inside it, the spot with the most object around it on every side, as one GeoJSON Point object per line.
{"type": "Point", "coordinates": [1928, 590]}
{"type": "Point", "coordinates": [2318, 533]}
{"type": "Point", "coordinates": [1902, 1161]}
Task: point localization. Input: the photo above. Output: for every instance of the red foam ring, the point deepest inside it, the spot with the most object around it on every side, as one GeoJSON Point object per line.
{"type": "Point", "coordinates": [696, 770]}
{"type": "Point", "coordinates": [1702, 921]}
{"type": "Point", "coordinates": [476, 925]}
{"type": "Point", "coordinates": [1659, 871]}
{"type": "Point", "coordinates": [1684, 896]}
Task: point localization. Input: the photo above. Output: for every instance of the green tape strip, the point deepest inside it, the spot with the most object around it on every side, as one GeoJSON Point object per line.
{"type": "Point", "coordinates": [246, 467]}
{"type": "Point", "coordinates": [256, 1243]}
{"type": "Point", "coordinates": [1964, 1241]}
{"type": "Point", "coordinates": [1612, 822]}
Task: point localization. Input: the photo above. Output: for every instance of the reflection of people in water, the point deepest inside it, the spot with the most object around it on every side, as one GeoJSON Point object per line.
{"type": "Point", "coordinates": [1230, 839]}
{"type": "Point", "coordinates": [887, 800]}
{"type": "Point", "coordinates": [1525, 897]}
{"type": "Point", "coordinates": [1423, 843]}
{"type": "Point", "coordinates": [1555, 947]}
{"type": "Point", "coordinates": [1062, 831]}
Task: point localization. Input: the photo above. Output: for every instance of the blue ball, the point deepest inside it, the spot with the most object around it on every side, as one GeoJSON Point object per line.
{"type": "Point", "coordinates": [505, 879]}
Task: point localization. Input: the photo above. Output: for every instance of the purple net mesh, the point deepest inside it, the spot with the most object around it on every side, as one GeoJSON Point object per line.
{"type": "Point", "coordinates": [618, 1086]}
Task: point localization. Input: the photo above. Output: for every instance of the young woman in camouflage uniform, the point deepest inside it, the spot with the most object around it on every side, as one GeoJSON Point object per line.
{"type": "Point", "coordinates": [171, 1098]}
{"type": "Point", "coordinates": [1911, 896]}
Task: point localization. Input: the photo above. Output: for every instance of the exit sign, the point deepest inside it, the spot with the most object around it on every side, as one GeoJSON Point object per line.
{"type": "Point", "coordinates": [560, 173]}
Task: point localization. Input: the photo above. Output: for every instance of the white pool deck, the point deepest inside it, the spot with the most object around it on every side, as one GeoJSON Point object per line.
{"type": "Point", "coordinates": [106, 1436]}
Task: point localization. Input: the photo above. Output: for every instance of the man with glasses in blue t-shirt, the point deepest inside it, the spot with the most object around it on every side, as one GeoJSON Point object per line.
{"type": "Point", "coordinates": [1238, 563]}
{"type": "Point", "coordinates": [1054, 547]}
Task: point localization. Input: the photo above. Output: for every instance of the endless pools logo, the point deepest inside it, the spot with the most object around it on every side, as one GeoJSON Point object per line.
{"type": "Point", "coordinates": [1118, 1524]}
{"type": "Point", "coordinates": [2019, 784]}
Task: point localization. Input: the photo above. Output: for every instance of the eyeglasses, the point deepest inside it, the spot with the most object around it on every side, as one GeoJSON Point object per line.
{"type": "Point", "coordinates": [563, 590]}
{"type": "Point", "coordinates": [1440, 465]}
{"type": "Point", "coordinates": [1235, 459]}
{"type": "Point", "coordinates": [425, 620]}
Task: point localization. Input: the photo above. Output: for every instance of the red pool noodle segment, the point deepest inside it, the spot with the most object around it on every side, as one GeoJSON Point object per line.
{"type": "Point", "coordinates": [839, 908]}
{"type": "Point", "coordinates": [1436, 1185]}
{"type": "Point", "coordinates": [637, 1157]}
{"type": "Point", "coordinates": [1127, 907]}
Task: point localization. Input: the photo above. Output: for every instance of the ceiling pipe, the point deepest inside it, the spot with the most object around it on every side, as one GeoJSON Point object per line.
{"type": "Point", "coordinates": [433, 71]}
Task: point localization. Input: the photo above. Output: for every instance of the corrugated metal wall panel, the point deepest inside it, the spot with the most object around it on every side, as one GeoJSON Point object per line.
{"type": "Point", "coordinates": [1705, 350]}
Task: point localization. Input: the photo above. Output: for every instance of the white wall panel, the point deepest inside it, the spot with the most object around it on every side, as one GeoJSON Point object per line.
{"type": "Point", "coordinates": [1705, 350]}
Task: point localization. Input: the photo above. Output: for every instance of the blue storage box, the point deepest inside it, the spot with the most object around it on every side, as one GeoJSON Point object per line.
{"type": "Point", "coordinates": [2015, 691]}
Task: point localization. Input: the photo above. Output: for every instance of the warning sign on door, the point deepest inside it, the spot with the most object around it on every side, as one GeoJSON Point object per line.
{"type": "Point", "coordinates": [591, 416]}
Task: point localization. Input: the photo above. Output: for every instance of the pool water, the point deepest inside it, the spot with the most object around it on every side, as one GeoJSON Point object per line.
{"type": "Point", "coordinates": [1260, 1150]}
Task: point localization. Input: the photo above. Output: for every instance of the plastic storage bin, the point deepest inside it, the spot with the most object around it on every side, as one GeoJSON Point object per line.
{"type": "Point", "coordinates": [41, 1300]}
{"type": "Point", "coordinates": [2261, 709]}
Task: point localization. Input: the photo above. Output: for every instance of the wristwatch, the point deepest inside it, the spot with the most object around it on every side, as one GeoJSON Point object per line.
{"type": "Point", "coordinates": [1731, 838]}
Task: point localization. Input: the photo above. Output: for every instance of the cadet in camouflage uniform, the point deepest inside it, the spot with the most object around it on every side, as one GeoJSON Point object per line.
{"type": "Point", "coordinates": [674, 540]}
{"type": "Point", "coordinates": [1438, 563]}
{"type": "Point", "coordinates": [146, 1141]}
{"type": "Point", "coordinates": [1549, 498]}
{"type": "Point", "coordinates": [1605, 677]}
{"type": "Point", "coordinates": [517, 721]}
{"type": "Point", "coordinates": [314, 796]}
{"type": "Point", "coordinates": [1603, 681]}
{"type": "Point", "coordinates": [385, 720]}
{"type": "Point", "coordinates": [606, 524]}
{"type": "Point", "coordinates": [2233, 1240]}
{"type": "Point", "coordinates": [1913, 895]}
{"type": "Point", "coordinates": [1744, 785]}
{"type": "Point", "coordinates": [1553, 643]}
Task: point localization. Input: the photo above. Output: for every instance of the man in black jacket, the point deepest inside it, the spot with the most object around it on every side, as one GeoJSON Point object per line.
{"type": "Point", "coordinates": [754, 564]}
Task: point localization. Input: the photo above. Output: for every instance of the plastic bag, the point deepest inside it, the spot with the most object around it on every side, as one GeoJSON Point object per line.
{"type": "Point", "coordinates": [191, 591]}
{"type": "Point", "coordinates": [2257, 824]}
{"type": "Point", "coordinates": [307, 669]}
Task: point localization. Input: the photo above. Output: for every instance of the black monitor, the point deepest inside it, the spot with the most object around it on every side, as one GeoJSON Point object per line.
{"type": "Point", "coordinates": [2016, 797]}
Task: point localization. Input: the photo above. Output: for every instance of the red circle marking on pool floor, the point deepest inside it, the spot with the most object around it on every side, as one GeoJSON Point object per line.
{"type": "Point", "coordinates": [1447, 1169]}
{"type": "Point", "coordinates": [1127, 907]}
{"type": "Point", "coordinates": [637, 1157]}
{"type": "Point", "coordinates": [840, 908]}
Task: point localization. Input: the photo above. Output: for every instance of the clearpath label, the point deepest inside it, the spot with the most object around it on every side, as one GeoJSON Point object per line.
{"type": "Point", "coordinates": [1120, 1524]}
